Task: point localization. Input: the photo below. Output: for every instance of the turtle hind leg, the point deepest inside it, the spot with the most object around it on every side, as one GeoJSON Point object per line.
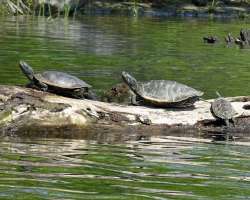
{"type": "Point", "coordinates": [227, 122]}
{"type": "Point", "coordinates": [229, 135]}
{"type": "Point", "coordinates": [77, 93]}
{"type": "Point", "coordinates": [90, 95]}
{"type": "Point", "coordinates": [83, 93]}
{"type": "Point", "coordinates": [232, 122]}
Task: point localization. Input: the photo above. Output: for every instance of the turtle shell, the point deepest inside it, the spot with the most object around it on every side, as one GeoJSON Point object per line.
{"type": "Point", "coordinates": [223, 109]}
{"type": "Point", "coordinates": [163, 91]}
{"type": "Point", "coordinates": [61, 80]}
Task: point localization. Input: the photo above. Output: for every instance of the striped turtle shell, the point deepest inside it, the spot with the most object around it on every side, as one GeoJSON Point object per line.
{"type": "Point", "coordinates": [163, 92]}
{"type": "Point", "coordinates": [57, 79]}
{"type": "Point", "coordinates": [223, 109]}
{"type": "Point", "coordinates": [61, 79]}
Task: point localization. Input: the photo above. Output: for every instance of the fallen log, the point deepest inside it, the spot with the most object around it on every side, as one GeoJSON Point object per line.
{"type": "Point", "coordinates": [29, 112]}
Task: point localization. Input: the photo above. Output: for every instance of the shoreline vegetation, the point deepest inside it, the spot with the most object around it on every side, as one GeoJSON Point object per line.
{"type": "Point", "coordinates": [185, 8]}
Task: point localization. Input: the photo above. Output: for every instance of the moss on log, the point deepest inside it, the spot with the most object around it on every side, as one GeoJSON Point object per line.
{"type": "Point", "coordinates": [28, 112]}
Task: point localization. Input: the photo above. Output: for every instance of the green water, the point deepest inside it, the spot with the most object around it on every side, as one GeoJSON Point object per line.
{"type": "Point", "coordinates": [97, 49]}
{"type": "Point", "coordinates": [159, 168]}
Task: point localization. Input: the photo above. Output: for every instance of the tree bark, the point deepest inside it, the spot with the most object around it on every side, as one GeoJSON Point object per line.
{"type": "Point", "coordinates": [29, 112]}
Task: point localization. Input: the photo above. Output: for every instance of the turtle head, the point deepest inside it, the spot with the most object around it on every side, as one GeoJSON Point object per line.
{"type": "Point", "coordinates": [130, 81]}
{"type": "Point", "coordinates": [27, 70]}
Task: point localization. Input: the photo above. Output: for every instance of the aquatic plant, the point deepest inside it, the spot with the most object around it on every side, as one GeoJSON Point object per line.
{"type": "Point", "coordinates": [135, 9]}
{"type": "Point", "coordinates": [66, 9]}
{"type": "Point", "coordinates": [76, 7]}
{"type": "Point", "coordinates": [242, 15]}
{"type": "Point", "coordinates": [213, 5]}
{"type": "Point", "coordinates": [14, 7]}
{"type": "Point", "coordinates": [41, 8]}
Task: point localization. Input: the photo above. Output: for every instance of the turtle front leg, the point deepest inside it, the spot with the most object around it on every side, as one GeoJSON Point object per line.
{"type": "Point", "coordinates": [43, 87]}
{"type": "Point", "coordinates": [134, 100]}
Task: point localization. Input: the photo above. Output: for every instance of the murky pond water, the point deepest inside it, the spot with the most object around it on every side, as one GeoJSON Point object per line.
{"type": "Point", "coordinates": [97, 49]}
{"type": "Point", "coordinates": [159, 168]}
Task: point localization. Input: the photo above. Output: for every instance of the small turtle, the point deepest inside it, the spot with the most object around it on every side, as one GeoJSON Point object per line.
{"type": "Point", "coordinates": [244, 39]}
{"type": "Point", "coordinates": [58, 82]}
{"type": "Point", "coordinates": [210, 39]}
{"type": "Point", "coordinates": [245, 35]}
{"type": "Point", "coordinates": [222, 109]}
{"type": "Point", "coordinates": [239, 41]}
{"type": "Point", "coordinates": [229, 39]}
{"type": "Point", "coordinates": [242, 44]}
{"type": "Point", "coordinates": [161, 93]}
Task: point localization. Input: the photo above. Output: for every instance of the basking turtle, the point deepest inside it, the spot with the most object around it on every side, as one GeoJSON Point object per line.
{"type": "Point", "coordinates": [210, 39]}
{"type": "Point", "coordinates": [245, 35]}
{"type": "Point", "coordinates": [58, 82]}
{"type": "Point", "coordinates": [222, 109]}
{"type": "Point", "coordinates": [161, 93]}
{"type": "Point", "coordinates": [229, 39]}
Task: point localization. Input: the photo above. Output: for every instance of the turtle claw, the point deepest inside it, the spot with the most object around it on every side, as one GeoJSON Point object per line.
{"type": "Point", "coordinates": [44, 87]}
{"type": "Point", "coordinates": [143, 119]}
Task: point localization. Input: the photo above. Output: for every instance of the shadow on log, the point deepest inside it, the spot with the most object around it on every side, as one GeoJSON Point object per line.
{"type": "Point", "coordinates": [32, 113]}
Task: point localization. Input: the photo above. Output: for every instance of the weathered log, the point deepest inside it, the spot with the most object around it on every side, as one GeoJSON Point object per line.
{"type": "Point", "coordinates": [29, 112]}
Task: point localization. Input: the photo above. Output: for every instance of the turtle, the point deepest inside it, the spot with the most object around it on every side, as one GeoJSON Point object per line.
{"type": "Point", "coordinates": [222, 109]}
{"type": "Point", "coordinates": [229, 39]}
{"type": "Point", "coordinates": [58, 82]}
{"type": "Point", "coordinates": [161, 93]}
{"type": "Point", "coordinates": [210, 39]}
{"type": "Point", "coordinates": [245, 35]}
